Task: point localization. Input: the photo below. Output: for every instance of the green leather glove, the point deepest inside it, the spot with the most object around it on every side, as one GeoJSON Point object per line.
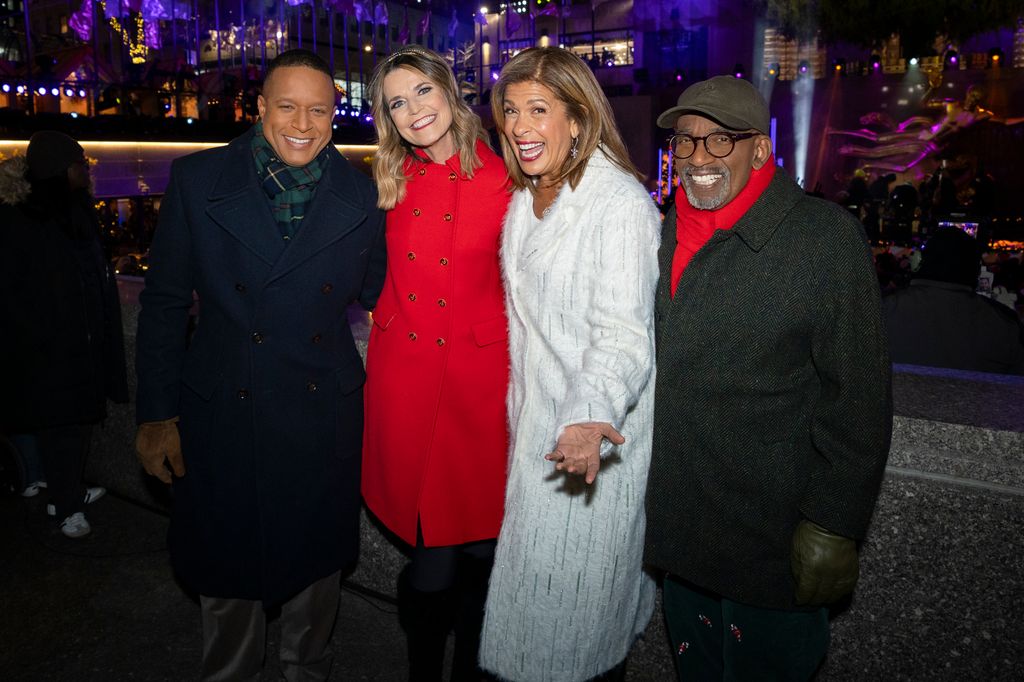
{"type": "Point", "coordinates": [157, 442]}
{"type": "Point", "coordinates": [824, 565]}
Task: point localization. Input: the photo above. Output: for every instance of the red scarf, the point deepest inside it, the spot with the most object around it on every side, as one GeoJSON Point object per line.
{"type": "Point", "coordinates": [695, 226]}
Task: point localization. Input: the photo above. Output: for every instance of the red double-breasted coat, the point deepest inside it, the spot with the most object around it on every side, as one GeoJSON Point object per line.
{"type": "Point", "coordinates": [435, 436]}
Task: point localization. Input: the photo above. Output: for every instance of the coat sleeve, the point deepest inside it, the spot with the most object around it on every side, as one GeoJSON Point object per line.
{"type": "Point", "coordinates": [851, 423]}
{"type": "Point", "coordinates": [620, 273]}
{"type": "Point", "coordinates": [165, 301]}
{"type": "Point", "coordinates": [373, 280]}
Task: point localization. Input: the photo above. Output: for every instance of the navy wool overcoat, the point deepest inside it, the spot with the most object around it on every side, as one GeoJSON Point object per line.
{"type": "Point", "coordinates": [269, 388]}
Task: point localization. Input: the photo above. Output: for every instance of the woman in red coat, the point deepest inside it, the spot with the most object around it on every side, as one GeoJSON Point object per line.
{"type": "Point", "coordinates": [435, 439]}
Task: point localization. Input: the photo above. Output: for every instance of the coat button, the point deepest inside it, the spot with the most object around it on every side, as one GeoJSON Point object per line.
{"type": "Point", "coordinates": [411, 255]}
{"type": "Point", "coordinates": [242, 394]}
{"type": "Point", "coordinates": [423, 171]}
{"type": "Point", "coordinates": [316, 338]}
{"type": "Point", "coordinates": [451, 176]}
{"type": "Point", "coordinates": [444, 261]}
{"type": "Point", "coordinates": [311, 387]}
{"type": "Point", "coordinates": [240, 288]}
{"type": "Point", "coordinates": [412, 336]}
{"type": "Point", "coordinates": [440, 342]}
{"type": "Point", "coordinates": [257, 337]}
{"type": "Point", "coordinates": [447, 217]}
{"type": "Point", "coordinates": [327, 288]}
{"type": "Point", "coordinates": [416, 212]}
{"type": "Point", "coordinates": [412, 297]}
{"type": "Point", "coordinates": [441, 302]}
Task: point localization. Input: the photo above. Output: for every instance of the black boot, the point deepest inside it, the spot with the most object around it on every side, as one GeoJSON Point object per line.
{"type": "Point", "coordinates": [426, 618]}
{"type": "Point", "coordinates": [474, 574]}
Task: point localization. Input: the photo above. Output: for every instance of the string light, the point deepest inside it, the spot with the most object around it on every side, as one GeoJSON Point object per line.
{"type": "Point", "coordinates": [137, 49]}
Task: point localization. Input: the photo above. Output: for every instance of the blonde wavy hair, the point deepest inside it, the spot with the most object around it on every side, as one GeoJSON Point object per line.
{"type": "Point", "coordinates": [393, 150]}
{"type": "Point", "coordinates": [573, 83]}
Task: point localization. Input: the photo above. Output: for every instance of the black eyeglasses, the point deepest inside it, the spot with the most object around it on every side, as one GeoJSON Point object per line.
{"type": "Point", "coordinates": [718, 145]}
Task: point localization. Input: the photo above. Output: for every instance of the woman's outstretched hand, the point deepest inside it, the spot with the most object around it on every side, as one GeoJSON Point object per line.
{"type": "Point", "coordinates": [578, 450]}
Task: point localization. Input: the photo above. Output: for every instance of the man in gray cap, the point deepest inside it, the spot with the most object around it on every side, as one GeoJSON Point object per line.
{"type": "Point", "coordinates": [773, 404]}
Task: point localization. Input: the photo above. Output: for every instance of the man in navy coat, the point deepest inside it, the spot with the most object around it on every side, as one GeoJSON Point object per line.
{"type": "Point", "coordinates": [259, 414]}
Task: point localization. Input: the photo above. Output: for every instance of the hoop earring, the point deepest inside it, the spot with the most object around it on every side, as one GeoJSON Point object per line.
{"type": "Point", "coordinates": [573, 150]}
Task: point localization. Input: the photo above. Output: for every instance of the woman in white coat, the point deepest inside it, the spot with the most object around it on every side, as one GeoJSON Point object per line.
{"type": "Point", "coordinates": [568, 595]}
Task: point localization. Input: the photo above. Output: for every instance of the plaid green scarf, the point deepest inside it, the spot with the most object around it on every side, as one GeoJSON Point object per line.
{"type": "Point", "coordinates": [290, 188]}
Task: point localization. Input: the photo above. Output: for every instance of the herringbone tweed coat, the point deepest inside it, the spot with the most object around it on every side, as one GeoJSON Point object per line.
{"type": "Point", "coordinates": [773, 400]}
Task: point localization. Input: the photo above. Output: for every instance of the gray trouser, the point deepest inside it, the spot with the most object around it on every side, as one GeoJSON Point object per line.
{"type": "Point", "coordinates": [235, 634]}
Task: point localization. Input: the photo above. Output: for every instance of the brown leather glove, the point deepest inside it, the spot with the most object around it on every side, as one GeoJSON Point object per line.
{"type": "Point", "coordinates": [157, 442]}
{"type": "Point", "coordinates": [824, 565]}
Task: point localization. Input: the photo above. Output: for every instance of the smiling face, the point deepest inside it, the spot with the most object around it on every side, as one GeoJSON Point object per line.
{"type": "Point", "coordinates": [712, 183]}
{"type": "Point", "coordinates": [539, 129]}
{"type": "Point", "coordinates": [297, 108]}
{"type": "Point", "coordinates": [420, 111]}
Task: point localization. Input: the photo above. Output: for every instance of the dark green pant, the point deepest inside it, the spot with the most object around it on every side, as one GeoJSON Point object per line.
{"type": "Point", "coordinates": [714, 638]}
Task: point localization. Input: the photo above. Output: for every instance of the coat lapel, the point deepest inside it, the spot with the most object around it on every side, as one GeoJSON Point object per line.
{"type": "Point", "coordinates": [331, 216]}
{"type": "Point", "coordinates": [239, 205]}
{"type": "Point", "coordinates": [759, 223]}
{"type": "Point", "coordinates": [563, 215]}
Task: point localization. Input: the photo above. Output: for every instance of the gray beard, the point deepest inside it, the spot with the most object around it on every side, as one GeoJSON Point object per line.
{"type": "Point", "coordinates": [709, 203]}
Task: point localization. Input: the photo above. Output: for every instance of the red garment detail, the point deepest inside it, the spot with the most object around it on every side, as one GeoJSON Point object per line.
{"type": "Point", "coordinates": [695, 226]}
{"type": "Point", "coordinates": [435, 442]}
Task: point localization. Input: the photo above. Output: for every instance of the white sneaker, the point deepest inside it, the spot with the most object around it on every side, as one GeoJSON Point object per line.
{"type": "Point", "coordinates": [75, 526]}
{"type": "Point", "coordinates": [91, 495]}
{"type": "Point", "coordinates": [32, 489]}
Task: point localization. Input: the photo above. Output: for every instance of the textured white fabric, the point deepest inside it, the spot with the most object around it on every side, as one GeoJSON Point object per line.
{"type": "Point", "coordinates": [568, 595]}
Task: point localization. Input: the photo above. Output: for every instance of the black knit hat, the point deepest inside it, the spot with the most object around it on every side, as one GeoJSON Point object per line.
{"type": "Point", "coordinates": [50, 154]}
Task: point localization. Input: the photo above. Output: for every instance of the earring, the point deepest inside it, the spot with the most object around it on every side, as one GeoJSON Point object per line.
{"type": "Point", "coordinates": [573, 151]}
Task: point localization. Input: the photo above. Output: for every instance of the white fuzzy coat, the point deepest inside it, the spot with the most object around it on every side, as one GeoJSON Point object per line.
{"type": "Point", "coordinates": [568, 595]}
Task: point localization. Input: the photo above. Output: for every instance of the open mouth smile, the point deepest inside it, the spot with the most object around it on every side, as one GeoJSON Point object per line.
{"type": "Point", "coordinates": [529, 151]}
{"type": "Point", "coordinates": [423, 122]}
{"type": "Point", "coordinates": [704, 179]}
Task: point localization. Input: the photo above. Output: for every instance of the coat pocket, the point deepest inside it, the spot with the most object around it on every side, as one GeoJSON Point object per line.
{"type": "Point", "coordinates": [202, 376]}
{"type": "Point", "coordinates": [490, 331]}
{"type": "Point", "coordinates": [382, 317]}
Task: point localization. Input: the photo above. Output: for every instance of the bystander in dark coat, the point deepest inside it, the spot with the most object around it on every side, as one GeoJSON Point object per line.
{"type": "Point", "coordinates": [62, 352]}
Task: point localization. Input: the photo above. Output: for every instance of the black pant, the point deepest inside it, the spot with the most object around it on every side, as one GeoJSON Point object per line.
{"type": "Point", "coordinates": [63, 450]}
{"type": "Point", "coordinates": [714, 638]}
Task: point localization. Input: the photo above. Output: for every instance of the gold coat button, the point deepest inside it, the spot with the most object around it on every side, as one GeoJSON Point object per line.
{"type": "Point", "coordinates": [447, 217]}
{"type": "Point", "coordinates": [416, 212]}
{"type": "Point", "coordinates": [316, 338]}
{"type": "Point", "coordinates": [412, 297]}
{"type": "Point", "coordinates": [311, 387]}
{"type": "Point", "coordinates": [327, 288]}
{"type": "Point", "coordinates": [412, 336]}
{"type": "Point", "coordinates": [452, 177]}
{"type": "Point", "coordinates": [444, 261]}
{"type": "Point", "coordinates": [440, 342]}
{"type": "Point", "coordinates": [441, 302]}
{"type": "Point", "coordinates": [411, 255]}
{"type": "Point", "coordinates": [423, 171]}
